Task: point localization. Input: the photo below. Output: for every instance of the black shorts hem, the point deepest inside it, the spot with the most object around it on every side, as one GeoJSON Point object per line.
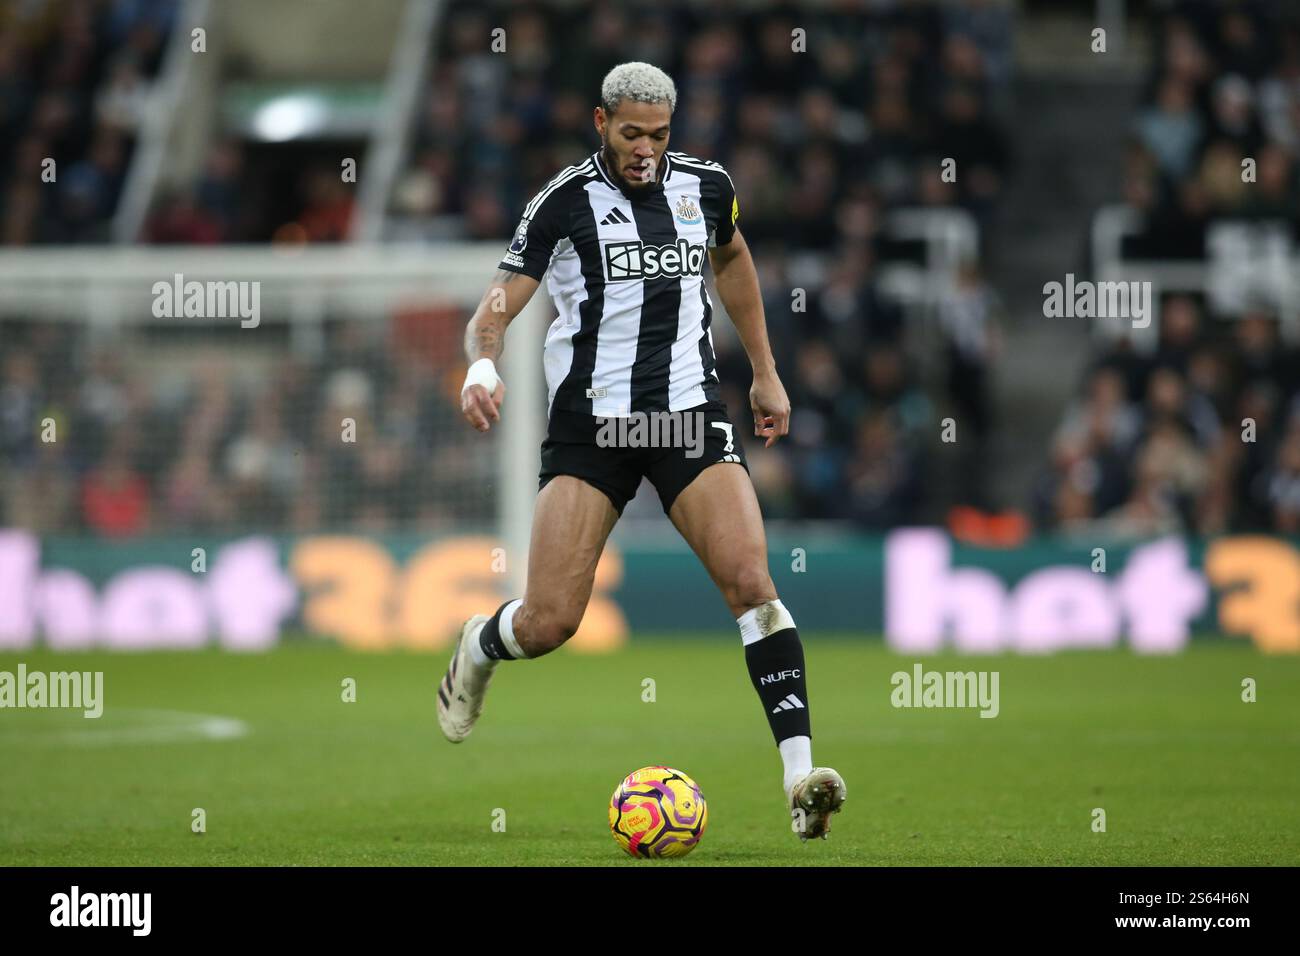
{"type": "Point", "coordinates": [669, 495]}
{"type": "Point", "coordinates": [615, 498]}
{"type": "Point", "coordinates": [571, 448]}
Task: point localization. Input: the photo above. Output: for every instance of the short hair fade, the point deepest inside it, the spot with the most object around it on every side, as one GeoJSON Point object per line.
{"type": "Point", "coordinates": [639, 82]}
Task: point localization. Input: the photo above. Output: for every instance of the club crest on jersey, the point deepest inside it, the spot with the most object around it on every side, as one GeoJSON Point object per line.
{"type": "Point", "coordinates": [521, 237]}
{"type": "Point", "coordinates": [636, 260]}
{"type": "Point", "coordinates": [687, 213]}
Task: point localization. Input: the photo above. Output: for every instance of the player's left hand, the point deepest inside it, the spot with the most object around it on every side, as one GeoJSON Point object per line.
{"type": "Point", "coordinates": [771, 408]}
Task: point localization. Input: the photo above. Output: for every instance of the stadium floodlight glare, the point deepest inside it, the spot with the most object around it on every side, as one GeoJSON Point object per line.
{"type": "Point", "coordinates": [290, 117]}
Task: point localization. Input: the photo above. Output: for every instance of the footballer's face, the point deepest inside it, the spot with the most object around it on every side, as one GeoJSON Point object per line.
{"type": "Point", "coordinates": [635, 137]}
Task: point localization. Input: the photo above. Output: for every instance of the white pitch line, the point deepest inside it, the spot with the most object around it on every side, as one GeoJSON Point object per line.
{"type": "Point", "coordinates": [156, 727]}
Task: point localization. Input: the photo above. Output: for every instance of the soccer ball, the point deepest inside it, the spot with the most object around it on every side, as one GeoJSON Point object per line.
{"type": "Point", "coordinates": [656, 812]}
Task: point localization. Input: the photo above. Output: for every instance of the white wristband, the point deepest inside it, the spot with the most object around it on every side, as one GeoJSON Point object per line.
{"type": "Point", "coordinates": [483, 372]}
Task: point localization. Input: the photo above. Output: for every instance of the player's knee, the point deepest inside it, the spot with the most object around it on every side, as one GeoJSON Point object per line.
{"type": "Point", "coordinates": [749, 587]}
{"type": "Point", "coordinates": [550, 628]}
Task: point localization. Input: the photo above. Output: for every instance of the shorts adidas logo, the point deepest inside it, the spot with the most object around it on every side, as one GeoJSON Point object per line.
{"type": "Point", "coordinates": [791, 702]}
{"type": "Point", "coordinates": [735, 458]}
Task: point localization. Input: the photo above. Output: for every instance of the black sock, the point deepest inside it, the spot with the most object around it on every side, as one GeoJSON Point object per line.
{"type": "Point", "coordinates": [776, 668]}
{"type": "Point", "coordinates": [490, 638]}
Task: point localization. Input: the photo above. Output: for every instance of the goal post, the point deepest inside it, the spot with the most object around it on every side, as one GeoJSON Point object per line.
{"type": "Point", "coordinates": [112, 298]}
{"type": "Point", "coordinates": [523, 423]}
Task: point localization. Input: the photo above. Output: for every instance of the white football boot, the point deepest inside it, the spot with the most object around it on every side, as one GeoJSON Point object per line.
{"type": "Point", "coordinates": [463, 687]}
{"type": "Point", "coordinates": [819, 795]}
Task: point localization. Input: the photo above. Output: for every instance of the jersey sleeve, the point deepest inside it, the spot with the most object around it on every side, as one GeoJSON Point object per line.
{"type": "Point", "coordinates": [728, 212]}
{"type": "Point", "coordinates": [544, 224]}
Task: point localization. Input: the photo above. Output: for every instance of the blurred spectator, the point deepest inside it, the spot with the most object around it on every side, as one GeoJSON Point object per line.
{"type": "Point", "coordinates": [968, 319]}
{"type": "Point", "coordinates": [1171, 130]}
{"type": "Point", "coordinates": [181, 220]}
{"type": "Point", "coordinates": [976, 141]}
{"type": "Point", "coordinates": [883, 487]}
{"type": "Point", "coordinates": [114, 497]}
{"type": "Point", "coordinates": [218, 190]}
{"type": "Point", "coordinates": [327, 208]}
{"type": "Point", "coordinates": [1089, 452]}
{"type": "Point", "coordinates": [122, 102]}
{"type": "Point", "coordinates": [1283, 484]}
{"type": "Point", "coordinates": [19, 407]}
{"type": "Point", "coordinates": [851, 311]}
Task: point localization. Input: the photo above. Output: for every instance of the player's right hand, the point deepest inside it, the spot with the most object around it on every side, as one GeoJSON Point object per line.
{"type": "Point", "coordinates": [481, 409]}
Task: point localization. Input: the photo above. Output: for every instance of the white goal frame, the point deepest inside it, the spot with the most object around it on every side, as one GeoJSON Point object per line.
{"type": "Point", "coordinates": [111, 287]}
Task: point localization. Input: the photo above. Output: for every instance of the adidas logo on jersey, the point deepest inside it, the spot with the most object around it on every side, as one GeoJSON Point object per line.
{"type": "Point", "coordinates": [615, 218]}
{"type": "Point", "coordinates": [636, 260]}
{"type": "Point", "coordinates": [791, 702]}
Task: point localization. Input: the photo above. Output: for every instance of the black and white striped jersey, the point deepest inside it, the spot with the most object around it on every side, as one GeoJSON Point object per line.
{"type": "Point", "coordinates": [626, 274]}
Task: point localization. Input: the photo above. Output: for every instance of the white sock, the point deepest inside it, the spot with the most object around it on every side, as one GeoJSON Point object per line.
{"type": "Point", "coordinates": [796, 754]}
{"type": "Point", "coordinates": [775, 618]}
{"type": "Point", "coordinates": [506, 626]}
{"type": "Point", "coordinates": [476, 649]}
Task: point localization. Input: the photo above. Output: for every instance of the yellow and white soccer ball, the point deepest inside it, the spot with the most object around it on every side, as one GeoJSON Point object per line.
{"type": "Point", "coordinates": [658, 812]}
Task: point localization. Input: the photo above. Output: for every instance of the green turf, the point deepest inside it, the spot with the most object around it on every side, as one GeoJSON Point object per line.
{"type": "Point", "coordinates": [1186, 772]}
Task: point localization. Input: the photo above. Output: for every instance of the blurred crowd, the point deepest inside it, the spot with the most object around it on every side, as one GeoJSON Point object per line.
{"type": "Point", "coordinates": [77, 84]}
{"type": "Point", "coordinates": [1225, 88]}
{"type": "Point", "coordinates": [821, 145]}
{"type": "Point", "coordinates": [823, 115]}
{"type": "Point", "coordinates": [1201, 436]}
{"type": "Point", "coordinates": [230, 203]}
{"type": "Point", "coordinates": [360, 438]}
{"type": "Point", "coordinates": [75, 77]}
{"type": "Point", "coordinates": [116, 438]}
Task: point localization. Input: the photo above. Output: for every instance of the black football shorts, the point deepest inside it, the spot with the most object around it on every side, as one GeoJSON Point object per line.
{"type": "Point", "coordinates": [614, 454]}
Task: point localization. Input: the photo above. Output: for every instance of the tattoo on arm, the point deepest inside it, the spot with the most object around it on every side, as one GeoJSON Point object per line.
{"type": "Point", "coordinates": [485, 336]}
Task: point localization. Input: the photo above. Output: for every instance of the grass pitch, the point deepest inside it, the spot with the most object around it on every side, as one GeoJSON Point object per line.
{"type": "Point", "coordinates": [289, 774]}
